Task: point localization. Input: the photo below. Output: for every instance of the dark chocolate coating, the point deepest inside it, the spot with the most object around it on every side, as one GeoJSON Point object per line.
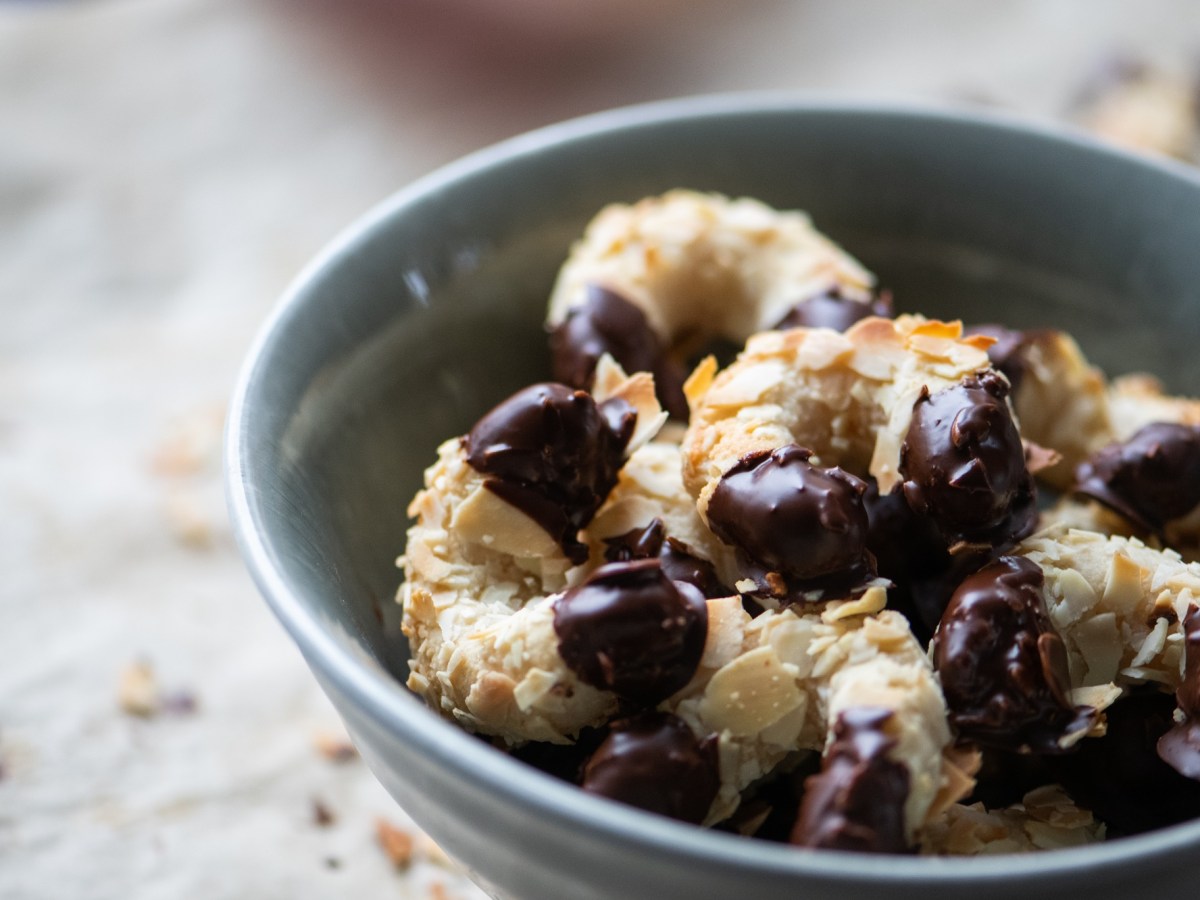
{"type": "Point", "coordinates": [792, 519]}
{"type": "Point", "coordinates": [552, 452]}
{"type": "Point", "coordinates": [608, 323]}
{"type": "Point", "coordinates": [629, 629]}
{"type": "Point", "coordinates": [653, 761]}
{"type": "Point", "coordinates": [832, 310]}
{"type": "Point", "coordinates": [1003, 668]}
{"type": "Point", "coordinates": [562, 761]}
{"type": "Point", "coordinates": [678, 561]}
{"type": "Point", "coordinates": [910, 552]}
{"type": "Point", "coordinates": [1010, 352]}
{"type": "Point", "coordinates": [1150, 479]}
{"type": "Point", "coordinates": [1180, 747]}
{"type": "Point", "coordinates": [857, 801]}
{"type": "Point", "coordinates": [1120, 776]}
{"type": "Point", "coordinates": [964, 464]}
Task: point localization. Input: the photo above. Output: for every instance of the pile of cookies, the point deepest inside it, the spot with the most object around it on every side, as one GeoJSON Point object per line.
{"type": "Point", "coordinates": [810, 596]}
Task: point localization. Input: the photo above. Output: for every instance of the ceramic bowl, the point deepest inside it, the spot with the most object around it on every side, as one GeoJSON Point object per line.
{"type": "Point", "coordinates": [428, 310]}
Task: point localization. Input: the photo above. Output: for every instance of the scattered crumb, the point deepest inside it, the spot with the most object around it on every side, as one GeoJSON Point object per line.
{"type": "Point", "coordinates": [397, 844]}
{"type": "Point", "coordinates": [323, 816]}
{"type": "Point", "coordinates": [179, 703]}
{"type": "Point", "coordinates": [432, 852]}
{"type": "Point", "coordinates": [332, 862]}
{"type": "Point", "coordinates": [334, 747]}
{"type": "Point", "coordinates": [137, 692]}
{"type": "Point", "coordinates": [193, 443]}
{"type": "Point", "coordinates": [188, 519]}
{"type": "Point", "coordinates": [437, 891]}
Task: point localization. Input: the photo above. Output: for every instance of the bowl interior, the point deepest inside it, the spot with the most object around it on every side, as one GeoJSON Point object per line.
{"type": "Point", "coordinates": [428, 312]}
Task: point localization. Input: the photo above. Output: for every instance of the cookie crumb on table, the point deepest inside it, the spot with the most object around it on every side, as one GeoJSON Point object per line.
{"type": "Point", "coordinates": [323, 816]}
{"type": "Point", "coordinates": [433, 852]}
{"type": "Point", "coordinates": [334, 747]}
{"type": "Point", "coordinates": [396, 843]}
{"type": "Point", "coordinates": [137, 692]}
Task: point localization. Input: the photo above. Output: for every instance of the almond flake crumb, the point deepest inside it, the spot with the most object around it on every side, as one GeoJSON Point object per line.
{"type": "Point", "coordinates": [435, 854]}
{"type": "Point", "coordinates": [437, 891]}
{"type": "Point", "coordinates": [334, 747]}
{"type": "Point", "coordinates": [193, 444]}
{"type": "Point", "coordinates": [138, 692]}
{"type": "Point", "coordinates": [188, 520]}
{"type": "Point", "coordinates": [323, 816]}
{"type": "Point", "coordinates": [397, 844]}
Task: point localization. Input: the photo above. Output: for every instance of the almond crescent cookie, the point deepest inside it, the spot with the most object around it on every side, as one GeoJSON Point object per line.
{"type": "Point", "coordinates": [726, 619]}
{"type": "Point", "coordinates": [909, 403]}
{"type": "Point", "coordinates": [651, 282]}
{"type": "Point", "coordinates": [1034, 645]}
{"type": "Point", "coordinates": [497, 537]}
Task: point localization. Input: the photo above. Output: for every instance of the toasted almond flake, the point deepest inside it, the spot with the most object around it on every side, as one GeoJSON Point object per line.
{"type": "Point", "coordinates": [484, 517]}
{"type": "Point", "coordinates": [1098, 696]}
{"type": "Point", "coordinates": [1078, 598]}
{"type": "Point", "coordinates": [701, 379]}
{"type": "Point", "coordinates": [726, 631]}
{"type": "Point", "coordinates": [536, 684]}
{"type": "Point", "coordinates": [137, 691]}
{"type": "Point", "coordinates": [396, 843]}
{"type": "Point", "coordinates": [749, 694]}
{"type": "Point", "coordinates": [871, 602]}
{"type": "Point", "coordinates": [1153, 644]}
{"type": "Point", "coordinates": [334, 747]}
{"type": "Point", "coordinates": [1101, 648]}
{"type": "Point", "coordinates": [433, 852]}
{"type": "Point", "coordinates": [1123, 585]}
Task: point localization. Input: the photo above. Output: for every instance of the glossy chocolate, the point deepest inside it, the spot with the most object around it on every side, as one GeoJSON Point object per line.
{"type": "Point", "coordinates": [608, 323]}
{"type": "Point", "coordinates": [1180, 747]}
{"type": "Point", "coordinates": [1010, 353]}
{"type": "Point", "coordinates": [857, 801]}
{"type": "Point", "coordinates": [562, 761]}
{"type": "Point", "coordinates": [1120, 776]}
{"type": "Point", "coordinates": [1150, 479]}
{"type": "Point", "coordinates": [631, 630]}
{"type": "Point", "coordinates": [832, 310]}
{"type": "Point", "coordinates": [963, 464]}
{"type": "Point", "coordinates": [553, 453]}
{"type": "Point", "coordinates": [910, 552]}
{"type": "Point", "coordinates": [653, 761]}
{"type": "Point", "coordinates": [1003, 668]}
{"type": "Point", "coordinates": [804, 527]}
{"type": "Point", "coordinates": [678, 561]}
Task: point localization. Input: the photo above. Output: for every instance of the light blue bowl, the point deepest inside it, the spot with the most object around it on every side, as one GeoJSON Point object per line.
{"type": "Point", "coordinates": [428, 310]}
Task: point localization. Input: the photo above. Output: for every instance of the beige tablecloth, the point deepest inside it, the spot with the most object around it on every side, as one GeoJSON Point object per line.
{"type": "Point", "coordinates": [165, 168]}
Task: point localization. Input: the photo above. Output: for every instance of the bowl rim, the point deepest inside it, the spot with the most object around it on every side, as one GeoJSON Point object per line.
{"type": "Point", "coordinates": [384, 699]}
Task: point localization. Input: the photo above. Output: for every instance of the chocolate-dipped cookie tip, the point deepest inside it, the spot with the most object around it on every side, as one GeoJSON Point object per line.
{"type": "Point", "coordinates": [794, 520]}
{"type": "Point", "coordinates": [1180, 747]}
{"type": "Point", "coordinates": [655, 762]}
{"type": "Point", "coordinates": [1002, 666]}
{"type": "Point", "coordinates": [607, 322]}
{"type": "Point", "coordinates": [963, 463]}
{"type": "Point", "coordinates": [1150, 479]}
{"type": "Point", "coordinates": [678, 561]}
{"type": "Point", "coordinates": [856, 802]}
{"type": "Point", "coordinates": [631, 630]}
{"type": "Point", "coordinates": [554, 453]}
{"type": "Point", "coordinates": [832, 309]}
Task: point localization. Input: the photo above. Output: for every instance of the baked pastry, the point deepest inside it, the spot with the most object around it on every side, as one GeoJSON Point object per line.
{"type": "Point", "coordinates": [832, 570]}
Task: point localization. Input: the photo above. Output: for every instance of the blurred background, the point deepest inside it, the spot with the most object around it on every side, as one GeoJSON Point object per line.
{"type": "Point", "coordinates": [166, 167]}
